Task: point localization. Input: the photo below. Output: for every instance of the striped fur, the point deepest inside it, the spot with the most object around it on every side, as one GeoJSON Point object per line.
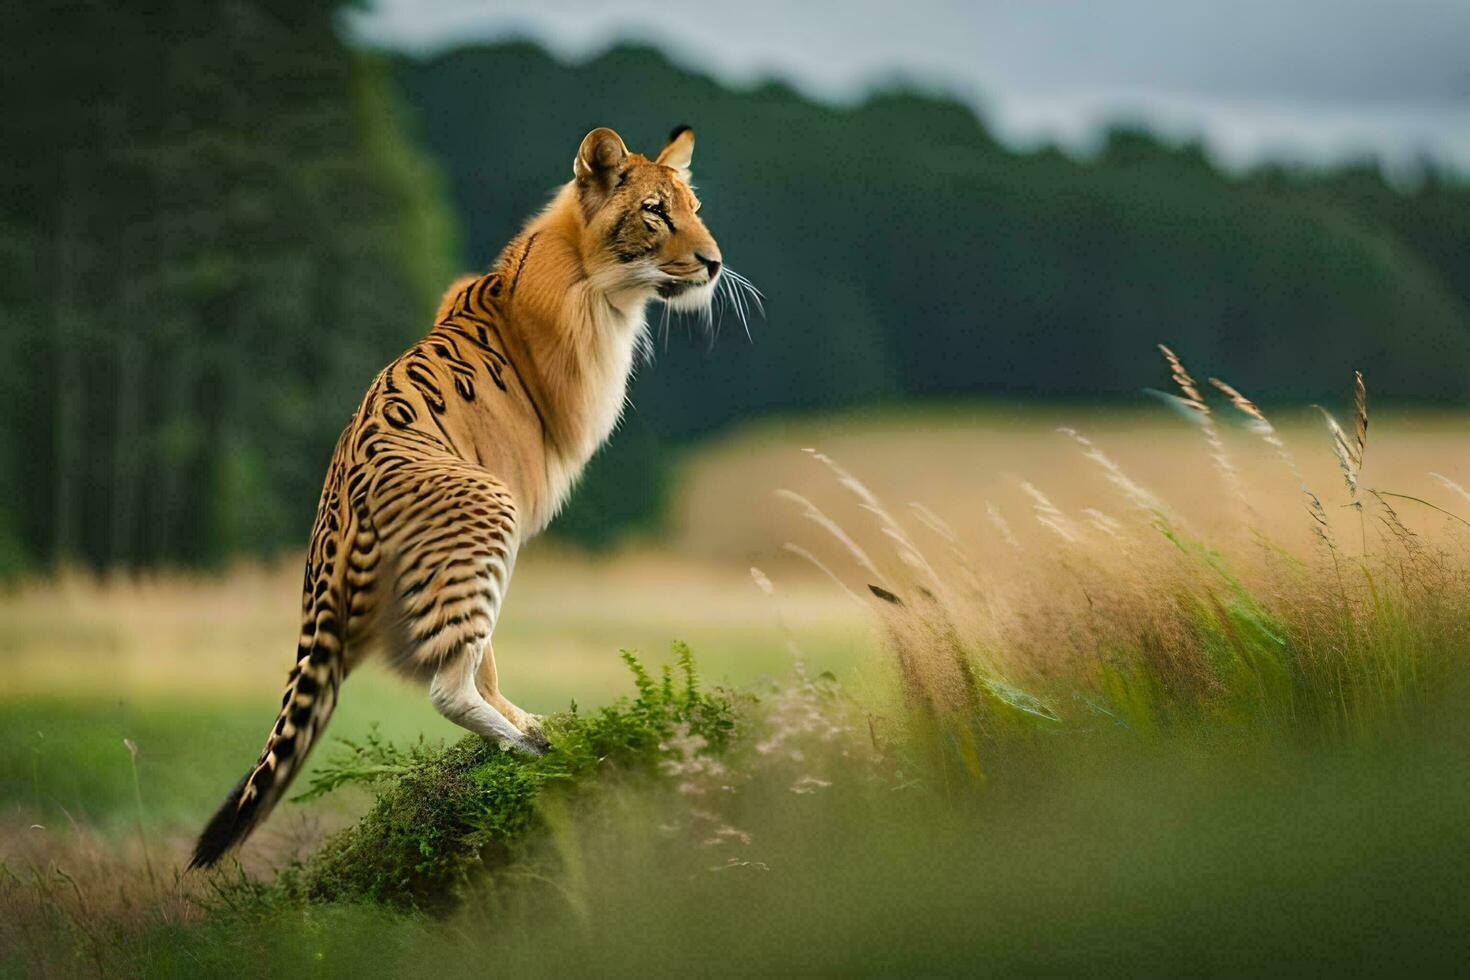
{"type": "Point", "coordinates": [467, 444]}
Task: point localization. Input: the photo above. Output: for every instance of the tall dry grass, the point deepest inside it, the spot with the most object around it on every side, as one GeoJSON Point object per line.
{"type": "Point", "coordinates": [1126, 616]}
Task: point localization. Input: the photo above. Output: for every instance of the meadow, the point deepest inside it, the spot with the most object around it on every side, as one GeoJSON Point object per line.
{"type": "Point", "coordinates": [1152, 694]}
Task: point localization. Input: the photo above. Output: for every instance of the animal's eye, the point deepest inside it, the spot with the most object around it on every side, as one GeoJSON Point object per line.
{"type": "Point", "coordinates": [657, 209]}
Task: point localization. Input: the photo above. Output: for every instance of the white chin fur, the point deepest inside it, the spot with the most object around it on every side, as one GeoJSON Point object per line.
{"type": "Point", "coordinates": [696, 300]}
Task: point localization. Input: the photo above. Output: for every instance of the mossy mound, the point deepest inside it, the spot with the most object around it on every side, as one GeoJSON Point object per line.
{"type": "Point", "coordinates": [445, 814]}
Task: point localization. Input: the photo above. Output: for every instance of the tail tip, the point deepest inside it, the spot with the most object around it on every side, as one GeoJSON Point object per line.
{"type": "Point", "coordinates": [227, 828]}
{"type": "Point", "coordinates": [207, 852]}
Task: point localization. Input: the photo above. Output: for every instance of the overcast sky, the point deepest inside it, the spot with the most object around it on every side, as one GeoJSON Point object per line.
{"type": "Point", "coordinates": [1308, 79]}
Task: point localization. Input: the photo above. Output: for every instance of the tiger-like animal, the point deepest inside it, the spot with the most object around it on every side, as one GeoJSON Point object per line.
{"type": "Point", "coordinates": [469, 443]}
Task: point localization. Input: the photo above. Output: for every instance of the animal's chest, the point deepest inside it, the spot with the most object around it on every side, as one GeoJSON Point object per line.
{"type": "Point", "coordinates": [607, 398]}
{"type": "Point", "coordinates": [593, 405]}
{"type": "Point", "coordinates": [605, 370]}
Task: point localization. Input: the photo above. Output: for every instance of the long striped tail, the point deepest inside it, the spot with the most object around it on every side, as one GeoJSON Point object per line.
{"type": "Point", "coordinates": [311, 694]}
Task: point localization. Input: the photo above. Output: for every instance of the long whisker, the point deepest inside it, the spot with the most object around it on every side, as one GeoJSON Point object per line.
{"type": "Point", "coordinates": [731, 298]}
{"type": "Point", "coordinates": [755, 294]}
{"type": "Point", "coordinates": [708, 316]}
{"type": "Point", "coordinates": [733, 293]}
{"type": "Point", "coordinates": [745, 302]}
{"type": "Point", "coordinates": [719, 305]}
{"type": "Point", "coordinates": [750, 288]}
{"type": "Point", "coordinates": [740, 308]}
{"type": "Point", "coordinates": [746, 293]}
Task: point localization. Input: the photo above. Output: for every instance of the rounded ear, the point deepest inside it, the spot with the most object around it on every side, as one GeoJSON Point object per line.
{"type": "Point", "coordinates": [600, 154]}
{"type": "Point", "coordinates": [678, 151]}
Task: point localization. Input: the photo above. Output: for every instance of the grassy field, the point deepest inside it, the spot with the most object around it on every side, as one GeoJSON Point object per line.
{"type": "Point", "coordinates": [189, 670]}
{"type": "Point", "coordinates": [1185, 773]}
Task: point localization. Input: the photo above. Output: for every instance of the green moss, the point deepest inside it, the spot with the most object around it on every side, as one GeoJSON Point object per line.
{"type": "Point", "coordinates": [445, 813]}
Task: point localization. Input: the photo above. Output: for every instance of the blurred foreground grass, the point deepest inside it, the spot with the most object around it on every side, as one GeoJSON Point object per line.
{"type": "Point", "coordinates": [1193, 859]}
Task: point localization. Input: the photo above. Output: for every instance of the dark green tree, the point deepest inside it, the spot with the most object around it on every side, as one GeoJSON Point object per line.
{"type": "Point", "coordinates": [215, 232]}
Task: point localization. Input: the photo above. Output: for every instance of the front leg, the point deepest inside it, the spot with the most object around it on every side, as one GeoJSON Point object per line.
{"type": "Point", "coordinates": [488, 683]}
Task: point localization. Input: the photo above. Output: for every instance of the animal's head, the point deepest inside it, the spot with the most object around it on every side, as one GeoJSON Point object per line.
{"type": "Point", "coordinates": [642, 230]}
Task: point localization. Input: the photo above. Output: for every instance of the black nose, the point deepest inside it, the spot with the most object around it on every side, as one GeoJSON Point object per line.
{"type": "Point", "coordinates": [713, 265]}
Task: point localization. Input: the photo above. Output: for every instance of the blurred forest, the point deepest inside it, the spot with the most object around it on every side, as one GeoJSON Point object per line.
{"type": "Point", "coordinates": [220, 221]}
{"type": "Point", "coordinates": [214, 235]}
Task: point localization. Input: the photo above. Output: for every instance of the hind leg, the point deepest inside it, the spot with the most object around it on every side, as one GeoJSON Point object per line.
{"type": "Point", "coordinates": [487, 681]}
{"type": "Point", "coordinates": [456, 696]}
{"type": "Point", "coordinates": [453, 541]}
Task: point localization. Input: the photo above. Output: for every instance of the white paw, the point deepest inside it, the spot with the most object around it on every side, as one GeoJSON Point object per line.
{"type": "Point", "coordinates": [534, 744]}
